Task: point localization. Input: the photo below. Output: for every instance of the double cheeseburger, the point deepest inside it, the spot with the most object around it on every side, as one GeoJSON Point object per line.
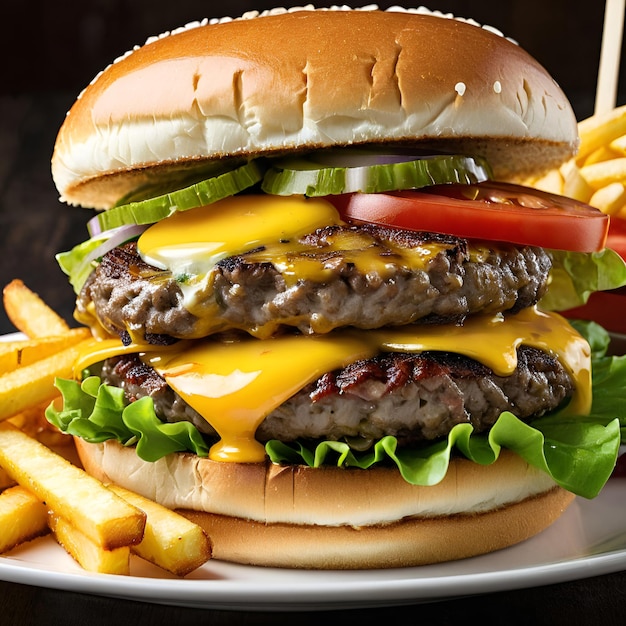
{"type": "Point", "coordinates": [316, 288]}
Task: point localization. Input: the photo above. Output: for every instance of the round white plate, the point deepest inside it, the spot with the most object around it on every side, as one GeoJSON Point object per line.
{"type": "Point", "coordinates": [588, 540]}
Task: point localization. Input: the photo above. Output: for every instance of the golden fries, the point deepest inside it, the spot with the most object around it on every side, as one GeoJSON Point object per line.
{"type": "Point", "coordinates": [34, 384]}
{"type": "Point", "coordinates": [597, 175]}
{"type": "Point", "coordinates": [610, 199]}
{"type": "Point", "coordinates": [599, 131]}
{"type": "Point", "coordinates": [603, 173]}
{"type": "Point", "coordinates": [22, 517]}
{"type": "Point", "coordinates": [87, 553]}
{"type": "Point", "coordinates": [14, 354]}
{"type": "Point", "coordinates": [69, 491]}
{"type": "Point", "coordinates": [29, 313]}
{"type": "Point", "coordinates": [34, 423]}
{"type": "Point", "coordinates": [170, 540]}
{"type": "Point", "coordinates": [5, 480]}
{"type": "Point", "coordinates": [28, 367]}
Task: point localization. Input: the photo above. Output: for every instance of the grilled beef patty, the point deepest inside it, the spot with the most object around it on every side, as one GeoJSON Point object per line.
{"type": "Point", "coordinates": [414, 397]}
{"type": "Point", "coordinates": [248, 292]}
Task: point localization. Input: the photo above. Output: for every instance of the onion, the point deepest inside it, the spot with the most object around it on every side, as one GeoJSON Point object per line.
{"type": "Point", "coordinates": [111, 239]}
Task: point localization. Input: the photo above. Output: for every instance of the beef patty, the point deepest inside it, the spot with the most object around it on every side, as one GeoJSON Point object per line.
{"type": "Point", "coordinates": [409, 277]}
{"type": "Point", "coordinates": [414, 397]}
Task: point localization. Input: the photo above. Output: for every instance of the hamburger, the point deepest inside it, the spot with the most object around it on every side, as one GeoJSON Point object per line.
{"type": "Point", "coordinates": [321, 300]}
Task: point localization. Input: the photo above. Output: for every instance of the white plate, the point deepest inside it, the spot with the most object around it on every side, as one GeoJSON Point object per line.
{"type": "Point", "coordinates": [588, 540]}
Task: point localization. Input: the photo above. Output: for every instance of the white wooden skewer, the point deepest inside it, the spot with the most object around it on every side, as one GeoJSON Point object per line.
{"type": "Point", "coordinates": [610, 56]}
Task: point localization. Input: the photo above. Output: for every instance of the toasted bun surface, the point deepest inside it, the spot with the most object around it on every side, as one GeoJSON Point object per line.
{"type": "Point", "coordinates": [330, 518]}
{"type": "Point", "coordinates": [306, 80]}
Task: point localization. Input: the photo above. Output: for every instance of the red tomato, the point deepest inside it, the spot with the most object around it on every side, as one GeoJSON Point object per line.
{"type": "Point", "coordinates": [491, 211]}
{"type": "Point", "coordinates": [617, 236]}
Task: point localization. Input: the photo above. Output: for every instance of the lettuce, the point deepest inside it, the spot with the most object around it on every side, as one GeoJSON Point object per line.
{"type": "Point", "coordinates": [75, 262]}
{"type": "Point", "coordinates": [578, 452]}
{"type": "Point", "coordinates": [576, 275]}
{"type": "Point", "coordinates": [97, 412]}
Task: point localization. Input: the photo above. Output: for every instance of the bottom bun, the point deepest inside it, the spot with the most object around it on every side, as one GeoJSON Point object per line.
{"type": "Point", "coordinates": [333, 518]}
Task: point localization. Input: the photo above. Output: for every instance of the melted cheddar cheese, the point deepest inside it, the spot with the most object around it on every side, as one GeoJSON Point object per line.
{"type": "Point", "coordinates": [235, 384]}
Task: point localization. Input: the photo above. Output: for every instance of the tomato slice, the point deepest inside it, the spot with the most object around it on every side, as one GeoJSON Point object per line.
{"type": "Point", "coordinates": [489, 211]}
{"type": "Point", "coordinates": [617, 236]}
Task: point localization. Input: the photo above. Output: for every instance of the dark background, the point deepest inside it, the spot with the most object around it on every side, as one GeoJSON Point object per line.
{"type": "Point", "coordinates": [51, 50]}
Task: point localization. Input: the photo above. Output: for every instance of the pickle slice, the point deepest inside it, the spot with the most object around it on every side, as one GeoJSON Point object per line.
{"type": "Point", "coordinates": [199, 194]}
{"type": "Point", "coordinates": [369, 173]}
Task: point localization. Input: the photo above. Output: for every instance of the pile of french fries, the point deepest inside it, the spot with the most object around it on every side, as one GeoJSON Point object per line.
{"type": "Point", "coordinates": [597, 174]}
{"type": "Point", "coordinates": [41, 491]}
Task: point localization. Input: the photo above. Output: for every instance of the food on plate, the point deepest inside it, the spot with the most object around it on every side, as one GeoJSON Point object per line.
{"type": "Point", "coordinates": [22, 517]}
{"type": "Point", "coordinates": [323, 305]}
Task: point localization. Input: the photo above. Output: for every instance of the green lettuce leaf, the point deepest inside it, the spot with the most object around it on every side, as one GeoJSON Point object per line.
{"type": "Point", "coordinates": [73, 262]}
{"type": "Point", "coordinates": [97, 412]}
{"type": "Point", "coordinates": [576, 275]}
{"type": "Point", "coordinates": [578, 452]}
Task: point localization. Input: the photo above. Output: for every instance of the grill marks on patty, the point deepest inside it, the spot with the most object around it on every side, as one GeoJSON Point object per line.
{"type": "Point", "coordinates": [248, 291]}
{"type": "Point", "coordinates": [414, 397]}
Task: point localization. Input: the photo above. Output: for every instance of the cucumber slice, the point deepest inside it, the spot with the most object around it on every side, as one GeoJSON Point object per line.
{"type": "Point", "coordinates": [368, 173]}
{"type": "Point", "coordinates": [199, 194]}
{"type": "Point", "coordinates": [162, 181]}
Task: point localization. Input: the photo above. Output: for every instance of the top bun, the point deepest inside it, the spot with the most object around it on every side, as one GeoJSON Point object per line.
{"type": "Point", "coordinates": [300, 80]}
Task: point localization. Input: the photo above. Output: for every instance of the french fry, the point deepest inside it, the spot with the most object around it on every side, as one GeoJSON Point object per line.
{"type": "Point", "coordinates": [29, 313]}
{"type": "Point", "coordinates": [604, 153]}
{"type": "Point", "coordinates": [170, 540]}
{"type": "Point", "coordinates": [618, 146]}
{"type": "Point", "coordinates": [599, 175]}
{"type": "Point", "coordinates": [33, 384]}
{"type": "Point", "coordinates": [69, 491]}
{"type": "Point", "coordinates": [14, 354]}
{"type": "Point", "coordinates": [610, 199]}
{"type": "Point", "coordinates": [577, 187]}
{"type": "Point", "coordinates": [34, 423]}
{"type": "Point", "coordinates": [5, 480]}
{"type": "Point", "coordinates": [600, 130]}
{"type": "Point", "coordinates": [22, 517]}
{"type": "Point", "coordinates": [552, 182]}
{"type": "Point", "coordinates": [88, 554]}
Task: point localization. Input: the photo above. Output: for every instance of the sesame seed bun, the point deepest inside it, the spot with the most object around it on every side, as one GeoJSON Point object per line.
{"type": "Point", "coordinates": [346, 78]}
